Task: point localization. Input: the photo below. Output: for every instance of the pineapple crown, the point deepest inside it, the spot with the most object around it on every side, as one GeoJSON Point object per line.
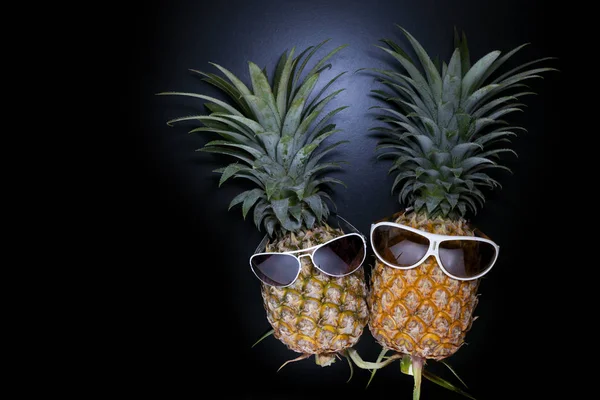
{"type": "Point", "coordinates": [273, 134]}
{"type": "Point", "coordinates": [444, 127]}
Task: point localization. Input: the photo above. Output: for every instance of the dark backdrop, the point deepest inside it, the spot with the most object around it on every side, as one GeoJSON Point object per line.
{"type": "Point", "coordinates": [196, 305]}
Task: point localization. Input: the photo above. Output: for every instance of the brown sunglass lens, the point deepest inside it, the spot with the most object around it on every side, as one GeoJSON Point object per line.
{"type": "Point", "coordinates": [341, 256]}
{"type": "Point", "coordinates": [398, 246]}
{"type": "Point", "coordinates": [275, 269]}
{"type": "Point", "coordinates": [466, 258]}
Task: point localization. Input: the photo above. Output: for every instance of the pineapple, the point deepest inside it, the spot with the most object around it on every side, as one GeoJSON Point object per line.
{"type": "Point", "coordinates": [273, 132]}
{"type": "Point", "coordinates": [442, 131]}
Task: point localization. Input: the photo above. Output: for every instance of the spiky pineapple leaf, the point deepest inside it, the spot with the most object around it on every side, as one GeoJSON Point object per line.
{"type": "Point", "coordinates": [445, 384]}
{"type": "Point", "coordinates": [520, 67]}
{"type": "Point", "coordinates": [220, 103]}
{"type": "Point", "coordinates": [251, 150]}
{"type": "Point", "coordinates": [418, 104]}
{"type": "Point", "coordinates": [382, 354]}
{"type": "Point", "coordinates": [393, 46]}
{"type": "Point", "coordinates": [310, 106]}
{"type": "Point", "coordinates": [298, 164]}
{"type": "Point", "coordinates": [266, 335]}
{"type": "Point", "coordinates": [309, 218]}
{"type": "Point", "coordinates": [250, 200]}
{"type": "Point", "coordinates": [473, 162]}
{"type": "Point", "coordinates": [463, 47]}
{"type": "Point", "coordinates": [251, 124]}
{"type": "Point", "coordinates": [303, 128]}
{"type": "Point", "coordinates": [531, 74]}
{"type": "Point", "coordinates": [473, 77]}
{"type": "Point", "coordinates": [351, 368]}
{"type": "Point", "coordinates": [426, 144]}
{"type": "Point", "coordinates": [229, 123]}
{"type": "Point", "coordinates": [294, 114]}
{"type": "Point", "coordinates": [269, 141]}
{"type": "Point", "coordinates": [270, 223]}
{"type": "Point", "coordinates": [501, 112]}
{"type": "Point", "coordinates": [296, 212]}
{"type": "Point", "coordinates": [432, 73]}
{"type": "Point", "coordinates": [459, 151]}
{"type": "Point", "coordinates": [319, 66]}
{"type": "Point", "coordinates": [284, 150]}
{"type": "Point", "coordinates": [493, 137]}
{"type": "Point", "coordinates": [500, 61]}
{"type": "Point", "coordinates": [469, 103]}
{"type": "Point", "coordinates": [498, 151]}
{"type": "Point", "coordinates": [260, 212]}
{"type": "Point", "coordinates": [402, 176]}
{"type": "Point", "coordinates": [230, 136]}
{"type": "Point", "coordinates": [282, 84]}
{"type": "Point", "coordinates": [262, 89]}
{"type": "Point", "coordinates": [280, 208]}
{"type": "Point", "coordinates": [229, 171]}
{"type": "Point", "coordinates": [321, 127]}
{"type": "Point", "coordinates": [242, 196]}
{"type": "Point", "coordinates": [452, 85]}
{"type": "Point", "coordinates": [454, 372]}
{"type": "Point", "coordinates": [420, 83]}
{"type": "Point", "coordinates": [265, 115]}
{"type": "Point", "coordinates": [432, 202]}
{"type": "Point", "coordinates": [297, 73]}
{"type": "Point", "coordinates": [320, 168]}
{"type": "Point", "coordinates": [234, 153]}
{"type": "Point", "coordinates": [226, 87]}
{"type": "Point", "coordinates": [452, 199]}
{"type": "Point", "coordinates": [239, 85]}
{"type": "Point", "coordinates": [278, 71]}
{"type": "Point", "coordinates": [481, 111]}
{"type": "Point", "coordinates": [322, 153]}
{"type": "Point", "coordinates": [315, 204]}
{"type": "Point", "coordinates": [325, 195]}
{"type": "Point", "coordinates": [320, 181]}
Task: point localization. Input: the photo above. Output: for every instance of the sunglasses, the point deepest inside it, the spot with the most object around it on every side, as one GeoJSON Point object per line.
{"type": "Point", "coordinates": [338, 257]}
{"type": "Point", "coordinates": [460, 257]}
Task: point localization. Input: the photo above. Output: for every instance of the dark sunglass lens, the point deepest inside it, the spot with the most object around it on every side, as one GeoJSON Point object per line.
{"type": "Point", "coordinates": [466, 258]}
{"type": "Point", "coordinates": [341, 256]}
{"type": "Point", "coordinates": [275, 269]}
{"type": "Point", "coordinates": [399, 247]}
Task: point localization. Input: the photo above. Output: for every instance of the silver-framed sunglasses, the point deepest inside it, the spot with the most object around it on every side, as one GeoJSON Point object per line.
{"type": "Point", "coordinates": [340, 256]}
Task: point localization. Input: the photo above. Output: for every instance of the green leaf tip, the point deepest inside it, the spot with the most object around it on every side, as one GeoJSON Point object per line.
{"type": "Point", "coordinates": [445, 384]}
{"type": "Point", "coordinates": [269, 333]}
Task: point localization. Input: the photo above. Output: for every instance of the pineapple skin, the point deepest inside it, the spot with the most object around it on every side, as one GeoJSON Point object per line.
{"type": "Point", "coordinates": [422, 311]}
{"type": "Point", "coordinates": [317, 314]}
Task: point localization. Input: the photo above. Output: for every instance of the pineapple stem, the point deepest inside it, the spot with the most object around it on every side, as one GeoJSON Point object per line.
{"type": "Point", "coordinates": [360, 363]}
{"type": "Point", "coordinates": [417, 369]}
{"type": "Point", "coordinates": [325, 359]}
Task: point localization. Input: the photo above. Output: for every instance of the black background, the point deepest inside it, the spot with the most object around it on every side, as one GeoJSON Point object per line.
{"type": "Point", "coordinates": [197, 307]}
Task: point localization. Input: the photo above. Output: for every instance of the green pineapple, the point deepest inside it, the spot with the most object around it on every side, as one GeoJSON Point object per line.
{"type": "Point", "coordinates": [277, 133]}
{"type": "Point", "coordinates": [445, 131]}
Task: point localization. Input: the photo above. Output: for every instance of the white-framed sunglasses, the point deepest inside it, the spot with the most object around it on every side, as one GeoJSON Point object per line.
{"type": "Point", "coordinates": [460, 257]}
{"type": "Point", "coordinates": [337, 257]}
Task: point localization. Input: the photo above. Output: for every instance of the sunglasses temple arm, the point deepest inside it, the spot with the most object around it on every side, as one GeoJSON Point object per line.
{"type": "Point", "coordinates": [352, 227]}
{"type": "Point", "coordinates": [262, 244]}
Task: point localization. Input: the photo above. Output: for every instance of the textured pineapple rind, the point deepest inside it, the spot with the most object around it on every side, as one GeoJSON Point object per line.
{"type": "Point", "coordinates": [422, 311]}
{"type": "Point", "coordinates": [317, 314]}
